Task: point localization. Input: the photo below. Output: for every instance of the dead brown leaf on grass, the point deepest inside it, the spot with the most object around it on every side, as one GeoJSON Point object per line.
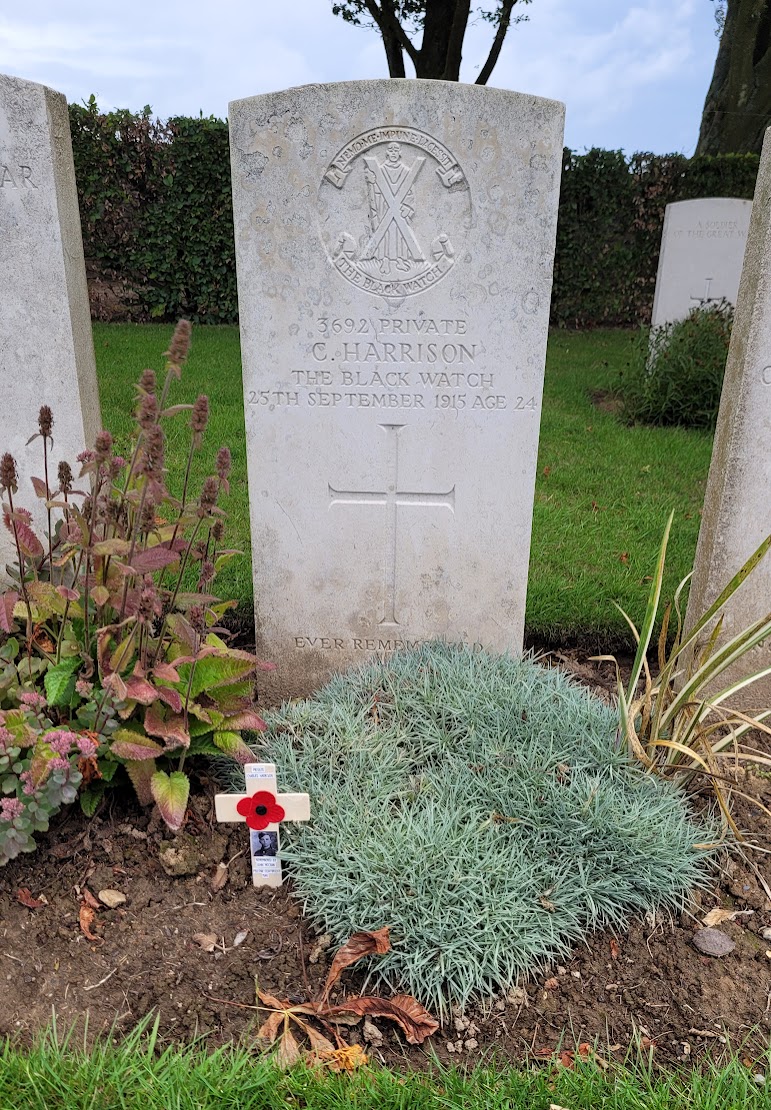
{"type": "Point", "coordinates": [356, 947]}
{"type": "Point", "coordinates": [719, 915]}
{"type": "Point", "coordinates": [403, 1009]}
{"type": "Point", "coordinates": [414, 1019]}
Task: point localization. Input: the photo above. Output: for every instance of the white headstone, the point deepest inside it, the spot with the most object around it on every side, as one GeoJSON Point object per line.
{"type": "Point", "coordinates": [46, 349]}
{"type": "Point", "coordinates": [395, 243]}
{"type": "Point", "coordinates": [737, 503]}
{"type": "Point", "coordinates": [702, 247]}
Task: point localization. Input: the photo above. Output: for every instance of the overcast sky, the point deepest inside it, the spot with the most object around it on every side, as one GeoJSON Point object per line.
{"type": "Point", "coordinates": [633, 73]}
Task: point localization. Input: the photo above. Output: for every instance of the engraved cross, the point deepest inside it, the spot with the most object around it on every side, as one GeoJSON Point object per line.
{"type": "Point", "coordinates": [392, 497]}
{"type": "Point", "coordinates": [706, 299]}
{"type": "Point", "coordinates": [393, 199]}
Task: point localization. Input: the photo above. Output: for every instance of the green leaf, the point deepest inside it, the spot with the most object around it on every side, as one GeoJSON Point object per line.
{"type": "Point", "coordinates": [231, 744]}
{"type": "Point", "coordinates": [203, 745]}
{"type": "Point", "coordinates": [171, 793]}
{"type": "Point", "coordinates": [141, 774]}
{"type": "Point", "coordinates": [91, 797]}
{"type": "Point", "coordinates": [134, 746]}
{"type": "Point", "coordinates": [59, 681]}
{"type": "Point", "coordinates": [214, 671]}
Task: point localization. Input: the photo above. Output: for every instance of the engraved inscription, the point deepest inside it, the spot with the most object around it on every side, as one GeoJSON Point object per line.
{"type": "Point", "coordinates": [404, 247]}
{"type": "Point", "coordinates": [392, 497]}
{"type": "Point", "coordinates": [711, 229]}
{"type": "Point", "coordinates": [16, 177]}
{"type": "Point", "coordinates": [369, 643]}
{"type": "Point", "coordinates": [386, 363]}
{"type": "Point", "coordinates": [765, 375]}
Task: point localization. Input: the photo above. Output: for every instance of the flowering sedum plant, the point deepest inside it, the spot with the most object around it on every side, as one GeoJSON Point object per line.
{"type": "Point", "coordinates": [113, 655]}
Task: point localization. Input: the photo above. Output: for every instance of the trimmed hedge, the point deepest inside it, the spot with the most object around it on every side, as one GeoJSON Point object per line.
{"type": "Point", "coordinates": [157, 220]}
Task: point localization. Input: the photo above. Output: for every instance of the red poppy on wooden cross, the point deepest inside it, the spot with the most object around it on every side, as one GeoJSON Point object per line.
{"type": "Point", "coordinates": [263, 809]}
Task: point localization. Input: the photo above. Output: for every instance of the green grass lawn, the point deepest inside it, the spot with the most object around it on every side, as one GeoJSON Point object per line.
{"type": "Point", "coordinates": [138, 1075]}
{"type": "Point", "coordinates": [602, 495]}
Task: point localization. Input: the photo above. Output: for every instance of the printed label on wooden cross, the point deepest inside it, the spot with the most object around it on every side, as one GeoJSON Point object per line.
{"type": "Point", "coordinates": [263, 808]}
{"type": "Point", "coordinates": [392, 497]}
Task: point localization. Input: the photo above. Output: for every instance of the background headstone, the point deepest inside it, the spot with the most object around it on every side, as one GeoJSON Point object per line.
{"type": "Point", "coordinates": [394, 242]}
{"type": "Point", "coordinates": [46, 349]}
{"type": "Point", "coordinates": [737, 503]}
{"type": "Point", "coordinates": [702, 247]}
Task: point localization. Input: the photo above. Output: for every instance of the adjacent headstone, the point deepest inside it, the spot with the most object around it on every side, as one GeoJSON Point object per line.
{"type": "Point", "coordinates": [737, 503]}
{"type": "Point", "coordinates": [46, 349]}
{"type": "Point", "coordinates": [395, 243]}
{"type": "Point", "coordinates": [702, 247]}
{"type": "Point", "coordinates": [263, 809]}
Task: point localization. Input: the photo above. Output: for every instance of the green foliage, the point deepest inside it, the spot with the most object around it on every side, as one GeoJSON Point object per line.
{"type": "Point", "coordinates": [448, 780]}
{"type": "Point", "coordinates": [609, 230]}
{"type": "Point", "coordinates": [40, 765]}
{"type": "Point", "coordinates": [112, 616]}
{"type": "Point", "coordinates": [156, 212]}
{"type": "Point", "coordinates": [59, 1071]}
{"type": "Point", "coordinates": [676, 376]}
{"type": "Point", "coordinates": [683, 722]}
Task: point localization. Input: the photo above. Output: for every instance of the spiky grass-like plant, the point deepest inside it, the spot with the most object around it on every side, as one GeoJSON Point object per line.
{"type": "Point", "coordinates": [482, 808]}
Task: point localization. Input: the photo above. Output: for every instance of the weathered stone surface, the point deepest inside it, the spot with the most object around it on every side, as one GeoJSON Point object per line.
{"type": "Point", "coordinates": [737, 503]}
{"type": "Point", "coordinates": [394, 243]}
{"type": "Point", "coordinates": [702, 246]}
{"type": "Point", "coordinates": [712, 942]}
{"type": "Point", "coordinates": [46, 350]}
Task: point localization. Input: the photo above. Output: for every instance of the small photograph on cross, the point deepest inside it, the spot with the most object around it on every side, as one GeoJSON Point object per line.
{"type": "Point", "coordinates": [264, 843]}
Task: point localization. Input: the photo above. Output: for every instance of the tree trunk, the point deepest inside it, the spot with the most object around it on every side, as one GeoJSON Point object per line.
{"type": "Point", "coordinates": [434, 59]}
{"type": "Point", "coordinates": [737, 109]}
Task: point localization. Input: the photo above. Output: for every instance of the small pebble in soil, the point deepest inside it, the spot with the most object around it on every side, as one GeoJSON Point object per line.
{"type": "Point", "coordinates": [111, 898]}
{"type": "Point", "coordinates": [712, 942]}
{"type": "Point", "coordinates": [322, 944]}
{"type": "Point", "coordinates": [766, 933]}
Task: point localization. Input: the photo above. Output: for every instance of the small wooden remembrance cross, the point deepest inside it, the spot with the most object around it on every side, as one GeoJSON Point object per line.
{"type": "Point", "coordinates": [263, 808]}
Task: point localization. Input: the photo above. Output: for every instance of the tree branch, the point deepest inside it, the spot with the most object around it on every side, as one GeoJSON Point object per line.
{"type": "Point", "coordinates": [495, 49]}
{"type": "Point", "coordinates": [386, 20]}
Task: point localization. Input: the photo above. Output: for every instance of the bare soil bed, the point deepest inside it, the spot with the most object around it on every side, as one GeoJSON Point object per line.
{"type": "Point", "coordinates": [648, 983]}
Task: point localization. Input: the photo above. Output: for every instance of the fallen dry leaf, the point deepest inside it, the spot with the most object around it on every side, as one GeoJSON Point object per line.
{"type": "Point", "coordinates": [414, 1019]}
{"type": "Point", "coordinates": [275, 1003]}
{"type": "Point", "coordinates": [239, 938]}
{"type": "Point", "coordinates": [219, 878]}
{"type": "Point", "coordinates": [288, 1052]}
{"type": "Point", "coordinates": [358, 945]}
{"type": "Point", "coordinates": [86, 919]}
{"type": "Point", "coordinates": [24, 896]}
{"type": "Point", "coordinates": [551, 984]}
{"type": "Point", "coordinates": [268, 1031]}
{"type": "Point", "coordinates": [319, 1043]}
{"type": "Point", "coordinates": [346, 1058]}
{"type": "Point", "coordinates": [206, 941]}
{"type": "Point", "coordinates": [89, 899]}
{"type": "Point", "coordinates": [614, 949]}
{"type": "Point", "coordinates": [719, 915]}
